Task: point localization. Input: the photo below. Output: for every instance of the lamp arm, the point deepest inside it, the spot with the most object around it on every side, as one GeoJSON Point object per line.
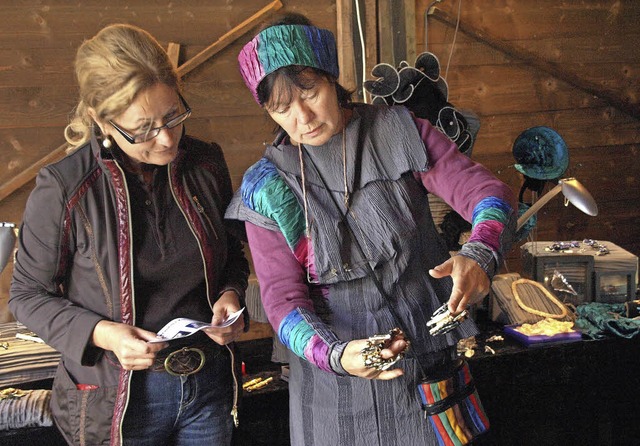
{"type": "Point", "coordinates": [537, 205]}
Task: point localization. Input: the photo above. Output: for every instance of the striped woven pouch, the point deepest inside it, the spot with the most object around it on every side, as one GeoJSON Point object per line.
{"type": "Point", "coordinates": [451, 403]}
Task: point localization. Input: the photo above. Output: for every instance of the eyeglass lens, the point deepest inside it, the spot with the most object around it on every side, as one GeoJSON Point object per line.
{"type": "Point", "coordinates": [152, 133]}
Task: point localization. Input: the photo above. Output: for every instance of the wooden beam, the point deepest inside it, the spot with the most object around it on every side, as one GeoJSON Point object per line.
{"type": "Point", "coordinates": [410, 31]}
{"type": "Point", "coordinates": [173, 51]}
{"type": "Point", "coordinates": [385, 30]}
{"type": "Point", "coordinates": [371, 33]}
{"type": "Point", "coordinates": [553, 69]}
{"type": "Point", "coordinates": [228, 38]}
{"type": "Point", "coordinates": [30, 172]}
{"type": "Point", "coordinates": [346, 55]}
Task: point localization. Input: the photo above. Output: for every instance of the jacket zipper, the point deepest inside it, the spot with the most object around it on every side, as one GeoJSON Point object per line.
{"type": "Point", "coordinates": [200, 209]}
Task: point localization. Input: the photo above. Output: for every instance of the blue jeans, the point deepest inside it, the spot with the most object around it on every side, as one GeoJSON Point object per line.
{"type": "Point", "coordinates": [189, 410]}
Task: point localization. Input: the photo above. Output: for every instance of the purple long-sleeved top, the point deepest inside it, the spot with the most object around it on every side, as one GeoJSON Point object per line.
{"type": "Point", "coordinates": [468, 187]}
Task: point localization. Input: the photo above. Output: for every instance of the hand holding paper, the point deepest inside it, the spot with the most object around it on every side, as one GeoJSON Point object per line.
{"type": "Point", "coordinates": [182, 327]}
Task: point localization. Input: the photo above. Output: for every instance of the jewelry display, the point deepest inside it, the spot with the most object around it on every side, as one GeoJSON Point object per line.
{"type": "Point", "coordinates": [568, 247]}
{"type": "Point", "coordinates": [442, 321]}
{"type": "Point", "coordinates": [547, 293]}
{"type": "Point", "coordinates": [375, 345]}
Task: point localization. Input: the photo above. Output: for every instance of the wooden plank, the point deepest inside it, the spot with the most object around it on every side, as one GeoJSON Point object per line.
{"type": "Point", "coordinates": [543, 19]}
{"type": "Point", "coordinates": [37, 67]}
{"type": "Point", "coordinates": [398, 27]}
{"type": "Point", "coordinates": [371, 39]}
{"type": "Point", "coordinates": [385, 32]}
{"type": "Point", "coordinates": [33, 107]}
{"type": "Point", "coordinates": [258, 330]}
{"type": "Point", "coordinates": [19, 148]}
{"type": "Point", "coordinates": [173, 51]}
{"type": "Point", "coordinates": [346, 54]}
{"type": "Point", "coordinates": [28, 174]}
{"type": "Point", "coordinates": [579, 128]}
{"type": "Point", "coordinates": [548, 67]}
{"type": "Point", "coordinates": [410, 31]}
{"type": "Point", "coordinates": [229, 37]}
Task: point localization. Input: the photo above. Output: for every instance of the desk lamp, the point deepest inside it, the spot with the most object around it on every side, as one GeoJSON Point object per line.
{"type": "Point", "coordinates": [573, 191]}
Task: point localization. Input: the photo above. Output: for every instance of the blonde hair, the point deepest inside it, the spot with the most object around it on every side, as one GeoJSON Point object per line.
{"type": "Point", "coordinates": [112, 68]}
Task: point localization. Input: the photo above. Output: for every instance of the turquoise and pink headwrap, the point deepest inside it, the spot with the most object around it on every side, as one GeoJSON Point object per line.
{"type": "Point", "coordinates": [283, 45]}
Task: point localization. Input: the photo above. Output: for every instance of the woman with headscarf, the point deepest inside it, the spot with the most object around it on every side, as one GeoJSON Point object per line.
{"type": "Point", "coordinates": [344, 246]}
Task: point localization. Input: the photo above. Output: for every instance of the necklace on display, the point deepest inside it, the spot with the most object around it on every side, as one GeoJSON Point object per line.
{"type": "Point", "coordinates": [551, 297]}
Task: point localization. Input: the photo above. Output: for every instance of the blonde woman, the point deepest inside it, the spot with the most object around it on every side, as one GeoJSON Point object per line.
{"type": "Point", "coordinates": [122, 236]}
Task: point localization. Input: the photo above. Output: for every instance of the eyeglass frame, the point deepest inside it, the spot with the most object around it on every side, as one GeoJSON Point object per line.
{"type": "Point", "coordinates": [172, 123]}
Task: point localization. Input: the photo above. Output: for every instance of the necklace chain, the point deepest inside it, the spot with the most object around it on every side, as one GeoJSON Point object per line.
{"type": "Point", "coordinates": [551, 297]}
{"type": "Point", "coordinates": [346, 195]}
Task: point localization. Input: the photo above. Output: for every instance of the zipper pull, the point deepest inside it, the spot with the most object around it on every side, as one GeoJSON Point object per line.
{"type": "Point", "coordinates": [200, 209]}
{"type": "Point", "coordinates": [198, 205]}
{"type": "Point", "coordinates": [234, 414]}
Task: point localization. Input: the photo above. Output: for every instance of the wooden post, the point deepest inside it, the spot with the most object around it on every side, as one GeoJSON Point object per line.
{"type": "Point", "coordinates": [346, 55]}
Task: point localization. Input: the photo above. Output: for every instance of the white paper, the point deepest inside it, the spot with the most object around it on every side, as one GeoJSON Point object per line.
{"type": "Point", "coordinates": [182, 327]}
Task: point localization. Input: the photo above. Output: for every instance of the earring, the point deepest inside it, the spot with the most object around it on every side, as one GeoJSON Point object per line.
{"type": "Point", "coordinates": [106, 142]}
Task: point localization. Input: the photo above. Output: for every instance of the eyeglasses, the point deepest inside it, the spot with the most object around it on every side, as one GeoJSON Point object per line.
{"type": "Point", "coordinates": [152, 133]}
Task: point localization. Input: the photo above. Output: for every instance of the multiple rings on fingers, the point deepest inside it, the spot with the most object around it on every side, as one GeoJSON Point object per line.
{"type": "Point", "coordinates": [442, 321]}
{"type": "Point", "coordinates": [375, 344]}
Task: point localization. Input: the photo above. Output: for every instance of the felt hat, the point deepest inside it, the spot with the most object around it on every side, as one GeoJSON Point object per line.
{"type": "Point", "coordinates": [540, 153]}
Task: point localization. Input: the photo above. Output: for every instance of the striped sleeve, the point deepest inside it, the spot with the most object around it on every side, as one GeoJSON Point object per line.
{"type": "Point", "coordinates": [283, 289]}
{"type": "Point", "coordinates": [474, 193]}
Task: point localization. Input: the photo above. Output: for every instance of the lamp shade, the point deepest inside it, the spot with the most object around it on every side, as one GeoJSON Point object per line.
{"type": "Point", "coordinates": [573, 191]}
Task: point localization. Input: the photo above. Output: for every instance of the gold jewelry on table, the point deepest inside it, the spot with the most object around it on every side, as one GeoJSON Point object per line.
{"type": "Point", "coordinates": [546, 327]}
{"type": "Point", "coordinates": [547, 293]}
{"type": "Point", "coordinates": [256, 384]}
{"type": "Point", "coordinates": [375, 345]}
{"type": "Point", "coordinates": [252, 382]}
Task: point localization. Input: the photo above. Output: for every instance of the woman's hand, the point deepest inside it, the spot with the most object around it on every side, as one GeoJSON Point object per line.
{"type": "Point", "coordinates": [353, 361]}
{"type": "Point", "coordinates": [128, 343]}
{"type": "Point", "coordinates": [226, 305]}
{"type": "Point", "coordinates": [470, 282]}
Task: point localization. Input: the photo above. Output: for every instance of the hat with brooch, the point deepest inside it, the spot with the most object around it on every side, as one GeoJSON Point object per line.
{"type": "Point", "coordinates": [540, 153]}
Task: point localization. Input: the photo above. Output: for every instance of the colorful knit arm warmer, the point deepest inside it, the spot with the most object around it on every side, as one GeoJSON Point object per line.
{"type": "Point", "coordinates": [492, 218]}
{"type": "Point", "coordinates": [309, 338]}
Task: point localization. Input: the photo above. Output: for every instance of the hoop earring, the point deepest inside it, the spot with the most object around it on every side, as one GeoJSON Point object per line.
{"type": "Point", "coordinates": [107, 143]}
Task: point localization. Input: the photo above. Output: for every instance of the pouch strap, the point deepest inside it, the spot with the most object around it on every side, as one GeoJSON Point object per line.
{"type": "Point", "coordinates": [449, 401]}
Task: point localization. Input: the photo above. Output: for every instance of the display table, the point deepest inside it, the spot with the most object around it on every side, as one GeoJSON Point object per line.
{"type": "Point", "coordinates": [30, 366]}
{"type": "Point", "coordinates": [23, 361]}
{"type": "Point", "coordinates": [579, 393]}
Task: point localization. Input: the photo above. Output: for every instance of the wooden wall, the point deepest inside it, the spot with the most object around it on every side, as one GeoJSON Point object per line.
{"type": "Point", "coordinates": [572, 66]}
{"type": "Point", "coordinates": [515, 63]}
